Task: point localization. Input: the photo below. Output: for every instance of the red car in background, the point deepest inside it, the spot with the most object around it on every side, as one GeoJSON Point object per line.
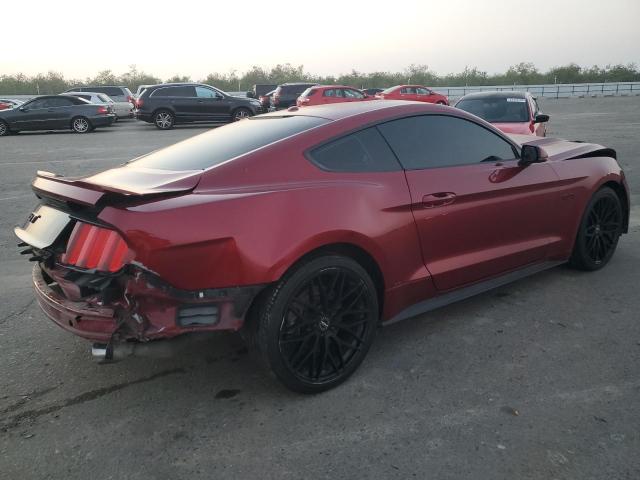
{"type": "Point", "coordinates": [511, 112]}
{"type": "Point", "coordinates": [323, 94]}
{"type": "Point", "coordinates": [8, 103]}
{"type": "Point", "coordinates": [416, 93]}
{"type": "Point", "coordinates": [308, 228]}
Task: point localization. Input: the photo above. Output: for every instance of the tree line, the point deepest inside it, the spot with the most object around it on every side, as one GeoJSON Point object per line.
{"type": "Point", "coordinates": [521, 74]}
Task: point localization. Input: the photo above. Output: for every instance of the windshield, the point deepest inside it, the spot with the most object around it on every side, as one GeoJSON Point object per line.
{"type": "Point", "coordinates": [497, 109]}
{"type": "Point", "coordinates": [224, 143]}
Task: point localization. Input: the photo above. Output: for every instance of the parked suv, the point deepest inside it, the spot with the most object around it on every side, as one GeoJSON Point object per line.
{"type": "Point", "coordinates": [117, 94]}
{"type": "Point", "coordinates": [168, 104]}
{"type": "Point", "coordinates": [286, 94]}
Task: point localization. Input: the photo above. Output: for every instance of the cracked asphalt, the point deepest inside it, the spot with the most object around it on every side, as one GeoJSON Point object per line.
{"type": "Point", "coordinates": [536, 380]}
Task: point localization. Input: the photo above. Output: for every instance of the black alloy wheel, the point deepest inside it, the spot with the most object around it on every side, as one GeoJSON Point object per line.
{"type": "Point", "coordinates": [4, 128]}
{"type": "Point", "coordinates": [241, 113]}
{"type": "Point", "coordinates": [599, 231]}
{"type": "Point", "coordinates": [318, 323]}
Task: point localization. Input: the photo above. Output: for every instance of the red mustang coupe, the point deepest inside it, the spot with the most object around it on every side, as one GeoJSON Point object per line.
{"type": "Point", "coordinates": [309, 228]}
{"type": "Point", "coordinates": [416, 93]}
{"type": "Point", "coordinates": [511, 112]}
{"type": "Point", "coordinates": [323, 94]}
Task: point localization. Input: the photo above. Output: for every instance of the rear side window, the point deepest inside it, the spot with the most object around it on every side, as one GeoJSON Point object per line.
{"type": "Point", "coordinates": [224, 143]}
{"type": "Point", "coordinates": [181, 91]}
{"type": "Point", "coordinates": [431, 141]}
{"type": "Point", "coordinates": [363, 151]}
{"type": "Point", "coordinates": [60, 102]}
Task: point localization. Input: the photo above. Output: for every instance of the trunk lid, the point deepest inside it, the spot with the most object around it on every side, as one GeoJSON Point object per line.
{"type": "Point", "coordinates": [560, 149]}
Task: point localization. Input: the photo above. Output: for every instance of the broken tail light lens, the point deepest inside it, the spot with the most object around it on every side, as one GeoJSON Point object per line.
{"type": "Point", "coordinates": [94, 247]}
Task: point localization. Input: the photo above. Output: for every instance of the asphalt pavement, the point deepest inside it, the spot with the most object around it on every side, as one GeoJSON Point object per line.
{"type": "Point", "coordinates": [535, 380]}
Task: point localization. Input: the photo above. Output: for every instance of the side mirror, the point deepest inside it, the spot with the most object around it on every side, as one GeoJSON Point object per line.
{"type": "Point", "coordinates": [532, 154]}
{"type": "Point", "coordinates": [541, 118]}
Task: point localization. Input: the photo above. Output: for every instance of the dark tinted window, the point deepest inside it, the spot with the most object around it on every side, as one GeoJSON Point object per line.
{"type": "Point", "coordinates": [227, 142]}
{"type": "Point", "coordinates": [60, 102]}
{"type": "Point", "coordinates": [181, 91]}
{"type": "Point", "coordinates": [363, 151]}
{"type": "Point", "coordinates": [39, 103]}
{"type": "Point", "coordinates": [293, 89]}
{"type": "Point", "coordinates": [111, 91]}
{"type": "Point", "coordinates": [439, 141]}
{"type": "Point", "coordinates": [497, 109]}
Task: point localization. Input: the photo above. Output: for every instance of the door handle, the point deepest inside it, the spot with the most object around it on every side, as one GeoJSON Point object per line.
{"type": "Point", "coordinates": [438, 199]}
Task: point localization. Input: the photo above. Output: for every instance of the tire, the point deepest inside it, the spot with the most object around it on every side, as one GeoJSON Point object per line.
{"type": "Point", "coordinates": [240, 114]}
{"type": "Point", "coordinates": [4, 128]}
{"type": "Point", "coordinates": [599, 231]}
{"type": "Point", "coordinates": [81, 125]}
{"type": "Point", "coordinates": [163, 119]}
{"type": "Point", "coordinates": [315, 326]}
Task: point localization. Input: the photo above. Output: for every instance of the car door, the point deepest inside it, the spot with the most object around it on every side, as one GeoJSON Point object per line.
{"type": "Point", "coordinates": [424, 95]}
{"type": "Point", "coordinates": [351, 95]}
{"type": "Point", "coordinates": [211, 104]}
{"type": "Point", "coordinates": [59, 112]}
{"type": "Point", "coordinates": [34, 115]}
{"type": "Point", "coordinates": [183, 101]}
{"type": "Point", "coordinates": [478, 213]}
{"type": "Point", "coordinates": [408, 93]}
{"type": "Point", "coordinates": [329, 95]}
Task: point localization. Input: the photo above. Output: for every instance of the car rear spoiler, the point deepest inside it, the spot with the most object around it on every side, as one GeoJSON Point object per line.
{"type": "Point", "coordinates": [118, 183]}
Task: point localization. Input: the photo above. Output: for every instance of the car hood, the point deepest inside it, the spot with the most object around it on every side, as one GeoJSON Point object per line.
{"type": "Point", "coordinates": [522, 128]}
{"type": "Point", "coordinates": [560, 149]}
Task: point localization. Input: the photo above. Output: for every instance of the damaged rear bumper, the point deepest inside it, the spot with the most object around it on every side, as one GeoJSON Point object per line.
{"type": "Point", "coordinates": [135, 305]}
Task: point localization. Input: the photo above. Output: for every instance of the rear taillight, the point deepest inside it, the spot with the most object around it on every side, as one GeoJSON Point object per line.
{"type": "Point", "coordinates": [103, 109]}
{"type": "Point", "coordinates": [129, 99]}
{"type": "Point", "coordinates": [138, 103]}
{"type": "Point", "coordinates": [94, 247]}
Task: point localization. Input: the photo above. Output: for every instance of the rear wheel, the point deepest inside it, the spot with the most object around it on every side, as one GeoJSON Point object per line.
{"type": "Point", "coordinates": [81, 125]}
{"type": "Point", "coordinates": [241, 114]}
{"type": "Point", "coordinates": [316, 325]}
{"type": "Point", "coordinates": [599, 231]}
{"type": "Point", "coordinates": [4, 128]}
{"type": "Point", "coordinates": [163, 119]}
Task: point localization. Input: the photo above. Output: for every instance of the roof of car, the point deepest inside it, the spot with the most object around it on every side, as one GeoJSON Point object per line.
{"type": "Point", "coordinates": [497, 94]}
{"type": "Point", "coordinates": [338, 111]}
{"type": "Point", "coordinates": [335, 86]}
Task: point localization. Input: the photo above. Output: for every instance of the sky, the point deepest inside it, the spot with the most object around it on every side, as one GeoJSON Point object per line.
{"type": "Point", "coordinates": [328, 37]}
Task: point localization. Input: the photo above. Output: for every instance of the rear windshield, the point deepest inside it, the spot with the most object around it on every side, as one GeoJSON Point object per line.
{"type": "Point", "coordinates": [497, 109]}
{"type": "Point", "coordinates": [389, 90]}
{"type": "Point", "coordinates": [224, 143]}
{"type": "Point", "coordinates": [308, 92]}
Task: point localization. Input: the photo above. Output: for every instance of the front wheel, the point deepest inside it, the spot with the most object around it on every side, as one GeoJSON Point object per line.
{"type": "Point", "coordinates": [4, 128]}
{"type": "Point", "coordinates": [163, 120]}
{"type": "Point", "coordinates": [316, 325]}
{"type": "Point", "coordinates": [599, 231]}
{"type": "Point", "coordinates": [241, 114]}
{"type": "Point", "coordinates": [81, 125]}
